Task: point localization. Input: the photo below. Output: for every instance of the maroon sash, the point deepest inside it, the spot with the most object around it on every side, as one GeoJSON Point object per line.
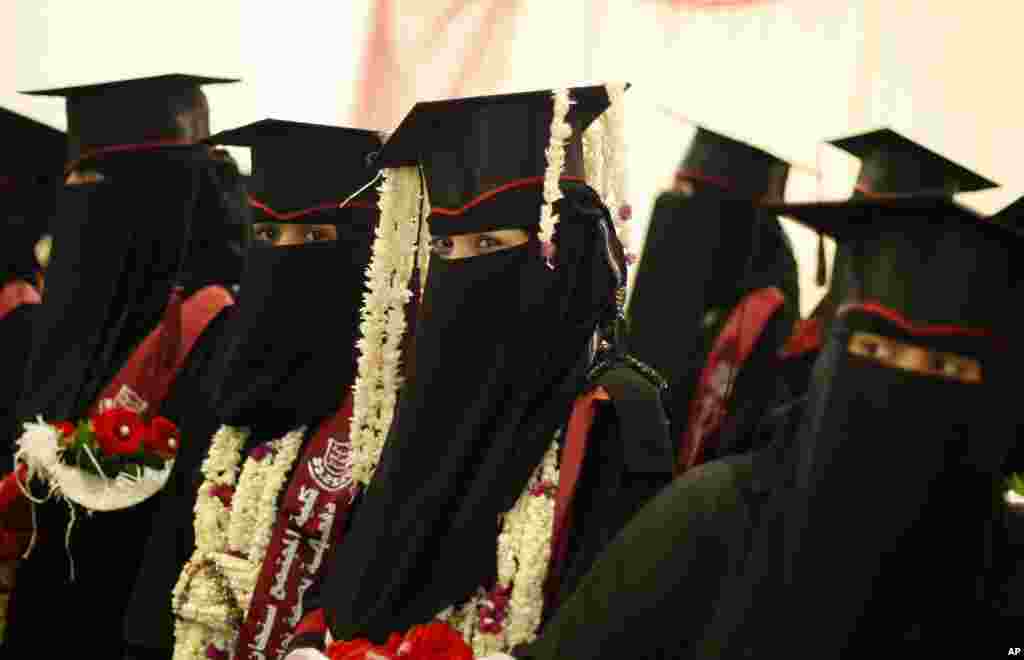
{"type": "Point", "coordinates": [154, 364]}
{"type": "Point", "coordinates": [309, 527]}
{"type": "Point", "coordinates": [16, 293]}
{"type": "Point", "coordinates": [311, 629]}
{"type": "Point", "coordinates": [732, 347]}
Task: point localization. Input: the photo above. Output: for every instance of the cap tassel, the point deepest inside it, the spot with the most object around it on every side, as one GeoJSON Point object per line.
{"type": "Point", "coordinates": [822, 271]}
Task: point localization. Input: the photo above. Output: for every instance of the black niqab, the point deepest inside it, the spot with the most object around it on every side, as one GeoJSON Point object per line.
{"type": "Point", "coordinates": [292, 350]}
{"type": "Point", "coordinates": [501, 350]}
{"type": "Point", "coordinates": [120, 245]}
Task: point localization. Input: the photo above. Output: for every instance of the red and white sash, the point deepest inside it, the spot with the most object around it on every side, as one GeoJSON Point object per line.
{"type": "Point", "coordinates": [732, 347]}
{"type": "Point", "coordinates": [144, 380]}
{"type": "Point", "coordinates": [309, 527]}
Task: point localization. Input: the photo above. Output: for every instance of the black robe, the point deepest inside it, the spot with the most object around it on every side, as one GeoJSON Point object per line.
{"type": "Point", "coordinates": [628, 461]}
{"type": "Point", "coordinates": [148, 628]}
{"type": "Point", "coordinates": [15, 342]}
{"type": "Point", "coordinates": [119, 303]}
{"type": "Point", "coordinates": [658, 585]}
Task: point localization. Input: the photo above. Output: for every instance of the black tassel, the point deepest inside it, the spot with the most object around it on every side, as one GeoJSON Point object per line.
{"type": "Point", "coordinates": [822, 270]}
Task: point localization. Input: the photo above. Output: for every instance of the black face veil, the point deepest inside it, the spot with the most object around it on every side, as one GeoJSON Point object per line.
{"type": "Point", "coordinates": [501, 353]}
{"type": "Point", "coordinates": [896, 465]}
{"type": "Point", "coordinates": [292, 349]}
{"type": "Point", "coordinates": [120, 246]}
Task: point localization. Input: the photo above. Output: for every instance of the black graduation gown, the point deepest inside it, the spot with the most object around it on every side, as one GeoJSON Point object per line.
{"type": "Point", "coordinates": [628, 460]}
{"type": "Point", "coordinates": [657, 586]}
{"type": "Point", "coordinates": [56, 617]}
{"type": "Point", "coordinates": [148, 620]}
{"type": "Point", "coordinates": [15, 346]}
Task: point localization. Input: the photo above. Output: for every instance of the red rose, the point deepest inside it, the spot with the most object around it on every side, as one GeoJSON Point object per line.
{"type": "Point", "coordinates": [356, 650]}
{"type": "Point", "coordinates": [66, 429]}
{"type": "Point", "coordinates": [163, 438]}
{"type": "Point", "coordinates": [435, 641]}
{"type": "Point", "coordinates": [65, 433]}
{"type": "Point", "coordinates": [119, 431]}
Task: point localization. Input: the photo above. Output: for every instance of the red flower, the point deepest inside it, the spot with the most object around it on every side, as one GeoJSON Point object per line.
{"type": "Point", "coordinates": [357, 650]}
{"type": "Point", "coordinates": [65, 433]}
{"type": "Point", "coordinates": [119, 431]}
{"type": "Point", "coordinates": [162, 438]}
{"type": "Point", "coordinates": [435, 641]}
{"type": "Point", "coordinates": [66, 429]}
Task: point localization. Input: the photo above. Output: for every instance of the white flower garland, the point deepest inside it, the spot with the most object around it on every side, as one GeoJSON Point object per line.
{"type": "Point", "coordinates": [593, 158]}
{"type": "Point", "coordinates": [224, 558]}
{"type": "Point", "coordinates": [524, 552]}
{"type": "Point", "coordinates": [561, 132]}
{"type": "Point", "coordinates": [614, 164]}
{"type": "Point", "coordinates": [378, 379]}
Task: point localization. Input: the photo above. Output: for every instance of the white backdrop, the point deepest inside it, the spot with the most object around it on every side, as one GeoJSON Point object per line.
{"type": "Point", "coordinates": [785, 74]}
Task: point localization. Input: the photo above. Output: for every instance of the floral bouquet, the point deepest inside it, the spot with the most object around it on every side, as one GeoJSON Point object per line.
{"type": "Point", "coordinates": [432, 641]}
{"type": "Point", "coordinates": [109, 461]}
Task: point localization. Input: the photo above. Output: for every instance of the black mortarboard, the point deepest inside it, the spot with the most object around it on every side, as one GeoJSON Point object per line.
{"type": "Point", "coordinates": [734, 166]}
{"type": "Point", "coordinates": [926, 256]}
{"type": "Point", "coordinates": [894, 164]}
{"type": "Point", "coordinates": [1011, 216]}
{"type": "Point", "coordinates": [32, 150]}
{"type": "Point", "coordinates": [166, 107]}
{"type": "Point", "coordinates": [299, 168]}
{"type": "Point", "coordinates": [469, 147]}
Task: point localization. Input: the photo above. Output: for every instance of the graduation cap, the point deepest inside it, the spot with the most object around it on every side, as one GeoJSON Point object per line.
{"type": "Point", "coordinates": [733, 166]}
{"type": "Point", "coordinates": [1011, 216]}
{"type": "Point", "coordinates": [894, 164]}
{"type": "Point", "coordinates": [169, 107]}
{"type": "Point", "coordinates": [471, 149]}
{"type": "Point", "coordinates": [927, 256]}
{"type": "Point", "coordinates": [32, 150]}
{"type": "Point", "coordinates": [301, 169]}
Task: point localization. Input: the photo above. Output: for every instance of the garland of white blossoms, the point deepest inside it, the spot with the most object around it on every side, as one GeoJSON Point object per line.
{"type": "Point", "coordinates": [524, 552]}
{"type": "Point", "coordinates": [614, 164]}
{"type": "Point", "coordinates": [216, 585]}
{"type": "Point", "coordinates": [375, 390]}
{"type": "Point", "coordinates": [593, 158]}
{"type": "Point", "coordinates": [561, 132]}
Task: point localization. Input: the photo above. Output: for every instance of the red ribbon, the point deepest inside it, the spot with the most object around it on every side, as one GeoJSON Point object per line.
{"type": "Point", "coordinates": [291, 216]}
{"type": "Point", "coordinates": [511, 185]}
{"type": "Point", "coordinates": [911, 327]}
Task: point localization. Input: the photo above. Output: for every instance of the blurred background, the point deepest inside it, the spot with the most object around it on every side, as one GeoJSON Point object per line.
{"type": "Point", "coordinates": [784, 75]}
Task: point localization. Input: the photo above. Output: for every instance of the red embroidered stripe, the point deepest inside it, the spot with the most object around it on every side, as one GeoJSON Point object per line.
{"type": "Point", "coordinates": [694, 175]}
{"type": "Point", "coordinates": [121, 148]}
{"type": "Point", "coordinates": [293, 215]}
{"type": "Point", "coordinates": [511, 185]}
{"type": "Point", "coordinates": [924, 330]}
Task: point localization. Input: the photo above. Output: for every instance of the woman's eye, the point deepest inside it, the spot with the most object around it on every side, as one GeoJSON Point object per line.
{"type": "Point", "coordinates": [874, 349]}
{"type": "Point", "coordinates": [441, 245]}
{"type": "Point", "coordinates": [266, 234]}
{"type": "Point", "coordinates": [488, 243]}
